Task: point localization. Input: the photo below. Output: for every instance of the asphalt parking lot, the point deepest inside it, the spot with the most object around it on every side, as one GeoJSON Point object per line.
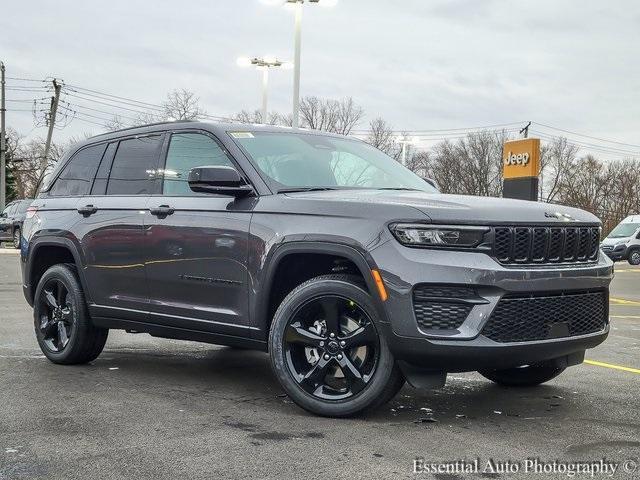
{"type": "Point", "coordinates": [152, 408]}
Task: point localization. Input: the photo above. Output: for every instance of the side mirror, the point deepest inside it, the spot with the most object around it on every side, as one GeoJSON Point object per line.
{"type": "Point", "coordinates": [638, 235]}
{"type": "Point", "coordinates": [218, 179]}
{"type": "Point", "coordinates": [432, 182]}
{"type": "Point", "coordinates": [3, 215]}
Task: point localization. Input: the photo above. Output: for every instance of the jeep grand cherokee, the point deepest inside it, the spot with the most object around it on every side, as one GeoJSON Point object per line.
{"type": "Point", "coordinates": [353, 273]}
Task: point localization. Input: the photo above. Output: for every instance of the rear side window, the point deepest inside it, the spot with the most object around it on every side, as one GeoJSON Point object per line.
{"type": "Point", "coordinates": [134, 166]}
{"type": "Point", "coordinates": [77, 175]}
{"type": "Point", "coordinates": [102, 177]}
{"type": "Point", "coordinates": [187, 151]}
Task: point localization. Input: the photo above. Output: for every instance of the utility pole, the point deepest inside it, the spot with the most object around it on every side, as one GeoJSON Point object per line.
{"type": "Point", "coordinates": [525, 130]}
{"type": "Point", "coordinates": [3, 144]}
{"type": "Point", "coordinates": [57, 86]}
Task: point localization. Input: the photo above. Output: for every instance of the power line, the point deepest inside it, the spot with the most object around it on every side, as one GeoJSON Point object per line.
{"type": "Point", "coordinates": [125, 100]}
{"type": "Point", "coordinates": [588, 136]}
{"type": "Point", "coordinates": [23, 79]}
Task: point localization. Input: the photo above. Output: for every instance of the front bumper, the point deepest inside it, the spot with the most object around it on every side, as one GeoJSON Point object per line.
{"type": "Point", "coordinates": [619, 252]}
{"type": "Point", "coordinates": [465, 348]}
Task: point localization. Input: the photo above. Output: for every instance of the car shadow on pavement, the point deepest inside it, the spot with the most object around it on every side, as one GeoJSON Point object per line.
{"type": "Point", "coordinates": [246, 376]}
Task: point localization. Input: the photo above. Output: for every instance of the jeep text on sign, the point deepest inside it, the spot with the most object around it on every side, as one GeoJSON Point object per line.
{"type": "Point", "coordinates": [521, 158]}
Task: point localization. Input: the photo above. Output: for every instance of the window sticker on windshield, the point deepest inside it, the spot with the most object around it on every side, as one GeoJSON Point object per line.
{"type": "Point", "coordinates": [241, 134]}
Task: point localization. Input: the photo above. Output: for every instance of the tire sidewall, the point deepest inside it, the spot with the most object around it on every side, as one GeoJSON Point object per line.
{"type": "Point", "coordinates": [631, 260]}
{"type": "Point", "coordinates": [64, 274]}
{"type": "Point", "coordinates": [335, 408]}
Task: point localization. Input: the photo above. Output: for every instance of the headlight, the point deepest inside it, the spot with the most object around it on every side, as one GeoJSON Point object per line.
{"type": "Point", "coordinates": [417, 235]}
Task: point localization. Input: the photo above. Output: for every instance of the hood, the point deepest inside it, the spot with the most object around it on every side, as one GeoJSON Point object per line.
{"type": "Point", "coordinates": [443, 208]}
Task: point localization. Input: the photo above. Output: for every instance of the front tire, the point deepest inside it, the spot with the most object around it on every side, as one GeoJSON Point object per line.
{"type": "Point", "coordinates": [528, 376]}
{"type": "Point", "coordinates": [16, 237]}
{"type": "Point", "coordinates": [634, 257]}
{"type": "Point", "coordinates": [63, 328]}
{"type": "Point", "coordinates": [327, 352]}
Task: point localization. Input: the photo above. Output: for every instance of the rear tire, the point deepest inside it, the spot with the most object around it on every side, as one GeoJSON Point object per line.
{"type": "Point", "coordinates": [528, 376]}
{"type": "Point", "coordinates": [634, 257]}
{"type": "Point", "coordinates": [62, 324]}
{"type": "Point", "coordinates": [16, 237]}
{"type": "Point", "coordinates": [327, 352]}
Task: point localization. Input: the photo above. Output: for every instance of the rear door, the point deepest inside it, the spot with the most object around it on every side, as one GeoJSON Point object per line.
{"type": "Point", "coordinates": [197, 249]}
{"type": "Point", "coordinates": [113, 229]}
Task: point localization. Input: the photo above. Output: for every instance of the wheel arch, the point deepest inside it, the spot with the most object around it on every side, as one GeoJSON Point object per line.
{"type": "Point", "coordinates": [45, 252]}
{"type": "Point", "coordinates": [357, 257]}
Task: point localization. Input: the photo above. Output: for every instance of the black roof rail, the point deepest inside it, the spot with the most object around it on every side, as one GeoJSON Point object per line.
{"type": "Point", "coordinates": [167, 122]}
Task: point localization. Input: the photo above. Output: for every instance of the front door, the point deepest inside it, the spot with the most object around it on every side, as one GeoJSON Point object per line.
{"type": "Point", "coordinates": [197, 245]}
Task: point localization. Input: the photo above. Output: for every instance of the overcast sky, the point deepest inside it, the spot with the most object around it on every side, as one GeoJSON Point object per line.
{"type": "Point", "coordinates": [420, 64]}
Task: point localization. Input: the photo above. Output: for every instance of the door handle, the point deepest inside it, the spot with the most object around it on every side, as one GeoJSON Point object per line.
{"type": "Point", "coordinates": [87, 210]}
{"type": "Point", "coordinates": [162, 210]}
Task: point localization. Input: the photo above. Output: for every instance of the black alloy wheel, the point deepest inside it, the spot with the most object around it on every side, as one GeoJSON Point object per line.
{"type": "Point", "coordinates": [63, 328]}
{"type": "Point", "coordinates": [56, 317]}
{"type": "Point", "coordinates": [327, 350]}
{"type": "Point", "coordinates": [331, 347]}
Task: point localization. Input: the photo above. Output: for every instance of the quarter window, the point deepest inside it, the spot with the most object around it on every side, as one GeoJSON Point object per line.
{"type": "Point", "coordinates": [134, 166]}
{"type": "Point", "coordinates": [187, 151]}
{"type": "Point", "coordinates": [77, 175]}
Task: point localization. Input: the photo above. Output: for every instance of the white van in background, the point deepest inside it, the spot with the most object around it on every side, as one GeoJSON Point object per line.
{"type": "Point", "coordinates": [623, 243]}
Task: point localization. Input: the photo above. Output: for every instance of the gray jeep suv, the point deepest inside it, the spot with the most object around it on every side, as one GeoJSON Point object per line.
{"type": "Point", "coordinates": [352, 272]}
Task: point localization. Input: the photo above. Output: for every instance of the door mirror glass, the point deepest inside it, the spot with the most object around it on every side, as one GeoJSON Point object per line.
{"type": "Point", "coordinates": [3, 215]}
{"type": "Point", "coordinates": [638, 235]}
{"type": "Point", "coordinates": [222, 180]}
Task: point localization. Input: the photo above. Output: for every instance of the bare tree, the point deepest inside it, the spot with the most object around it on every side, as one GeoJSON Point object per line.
{"type": "Point", "coordinates": [337, 116]}
{"type": "Point", "coordinates": [255, 117]}
{"type": "Point", "coordinates": [471, 166]}
{"type": "Point", "coordinates": [381, 136]}
{"type": "Point", "coordinates": [556, 158]}
{"type": "Point", "coordinates": [182, 104]}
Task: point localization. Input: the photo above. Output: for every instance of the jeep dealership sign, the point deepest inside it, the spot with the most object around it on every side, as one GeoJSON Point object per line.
{"type": "Point", "coordinates": [520, 168]}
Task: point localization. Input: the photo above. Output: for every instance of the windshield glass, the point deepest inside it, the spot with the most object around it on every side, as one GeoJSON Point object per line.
{"type": "Point", "coordinates": [292, 161]}
{"type": "Point", "coordinates": [624, 230]}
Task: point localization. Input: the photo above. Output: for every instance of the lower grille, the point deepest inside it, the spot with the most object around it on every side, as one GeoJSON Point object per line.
{"type": "Point", "coordinates": [441, 307]}
{"type": "Point", "coordinates": [533, 317]}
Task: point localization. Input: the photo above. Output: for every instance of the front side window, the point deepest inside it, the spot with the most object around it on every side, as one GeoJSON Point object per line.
{"type": "Point", "coordinates": [134, 166]}
{"type": "Point", "coordinates": [77, 175]}
{"type": "Point", "coordinates": [305, 160]}
{"type": "Point", "coordinates": [187, 151]}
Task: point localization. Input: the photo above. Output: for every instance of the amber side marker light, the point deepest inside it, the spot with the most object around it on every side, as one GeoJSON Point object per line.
{"type": "Point", "coordinates": [382, 291]}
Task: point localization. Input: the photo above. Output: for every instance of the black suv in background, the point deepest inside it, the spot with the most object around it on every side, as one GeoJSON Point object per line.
{"type": "Point", "coordinates": [352, 272]}
{"type": "Point", "coordinates": [11, 220]}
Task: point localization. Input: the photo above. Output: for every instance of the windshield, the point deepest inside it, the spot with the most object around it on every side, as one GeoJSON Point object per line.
{"type": "Point", "coordinates": [624, 230]}
{"type": "Point", "coordinates": [303, 161]}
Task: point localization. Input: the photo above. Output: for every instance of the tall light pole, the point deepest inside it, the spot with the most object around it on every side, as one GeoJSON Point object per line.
{"type": "Point", "coordinates": [265, 64]}
{"type": "Point", "coordinates": [297, 5]}
{"type": "Point", "coordinates": [404, 141]}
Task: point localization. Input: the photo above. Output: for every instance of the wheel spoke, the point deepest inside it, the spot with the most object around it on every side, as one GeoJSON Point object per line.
{"type": "Point", "coordinates": [331, 311]}
{"type": "Point", "coordinates": [315, 376]}
{"type": "Point", "coordinates": [47, 327]}
{"type": "Point", "coordinates": [364, 335]}
{"type": "Point", "coordinates": [61, 294]}
{"type": "Point", "coordinates": [63, 337]}
{"type": "Point", "coordinates": [51, 299]}
{"type": "Point", "coordinates": [354, 378]}
{"type": "Point", "coordinates": [296, 333]}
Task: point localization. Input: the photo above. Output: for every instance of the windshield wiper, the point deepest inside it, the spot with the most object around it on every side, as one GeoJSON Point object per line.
{"type": "Point", "coordinates": [400, 188]}
{"type": "Point", "coordinates": [305, 189]}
